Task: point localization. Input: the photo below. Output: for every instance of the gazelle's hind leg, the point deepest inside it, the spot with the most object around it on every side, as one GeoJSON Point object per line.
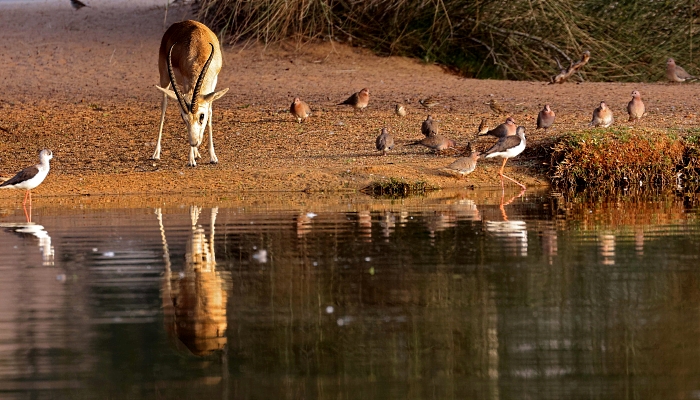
{"type": "Point", "coordinates": [164, 105]}
{"type": "Point", "coordinates": [212, 154]}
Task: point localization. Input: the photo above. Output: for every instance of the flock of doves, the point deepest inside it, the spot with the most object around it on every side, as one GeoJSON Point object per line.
{"type": "Point", "coordinates": [511, 138]}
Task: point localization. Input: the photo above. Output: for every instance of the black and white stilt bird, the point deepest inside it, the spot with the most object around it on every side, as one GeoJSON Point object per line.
{"type": "Point", "coordinates": [30, 177]}
{"type": "Point", "coordinates": [508, 147]}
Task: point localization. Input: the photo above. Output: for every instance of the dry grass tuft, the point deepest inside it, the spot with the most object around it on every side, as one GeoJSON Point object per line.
{"type": "Point", "coordinates": [519, 39]}
{"type": "Point", "coordinates": [621, 157]}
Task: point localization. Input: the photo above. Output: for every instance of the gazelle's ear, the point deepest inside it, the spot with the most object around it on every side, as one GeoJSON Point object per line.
{"type": "Point", "coordinates": [215, 96]}
{"type": "Point", "coordinates": [168, 92]}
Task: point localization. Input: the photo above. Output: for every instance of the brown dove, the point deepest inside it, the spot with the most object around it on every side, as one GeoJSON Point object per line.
{"type": "Point", "coordinates": [385, 141]}
{"type": "Point", "coordinates": [545, 118]}
{"type": "Point", "coordinates": [602, 116]}
{"type": "Point", "coordinates": [359, 100]}
{"type": "Point", "coordinates": [483, 128]}
{"type": "Point", "coordinates": [507, 128]}
{"type": "Point", "coordinates": [401, 110]}
{"type": "Point", "coordinates": [676, 73]}
{"type": "Point", "coordinates": [435, 142]}
{"type": "Point", "coordinates": [300, 110]}
{"type": "Point", "coordinates": [429, 127]}
{"type": "Point", "coordinates": [635, 108]}
{"type": "Point", "coordinates": [464, 165]}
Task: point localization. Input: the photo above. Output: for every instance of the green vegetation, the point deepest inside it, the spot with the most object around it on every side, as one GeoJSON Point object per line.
{"type": "Point", "coordinates": [621, 157]}
{"type": "Point", "coordinates": [519, 39]}
{"type": "Point", "coordinates": [394, 187]}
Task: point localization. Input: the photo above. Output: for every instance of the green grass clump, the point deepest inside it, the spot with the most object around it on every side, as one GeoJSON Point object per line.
{"type": "Point", "coordinates": [608, 158]}
{"type": "Point", "coordinates": [394, 187]}
{"type": "Point", "coordinates": [517, 39]}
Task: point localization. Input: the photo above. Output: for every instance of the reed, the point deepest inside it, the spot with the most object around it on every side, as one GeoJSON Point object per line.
{"type": "Point", "coordinates": [513, 39]}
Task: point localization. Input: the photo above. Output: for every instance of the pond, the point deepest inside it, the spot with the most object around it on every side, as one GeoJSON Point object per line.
{"type": "Point", "coordinates": [269, 296]}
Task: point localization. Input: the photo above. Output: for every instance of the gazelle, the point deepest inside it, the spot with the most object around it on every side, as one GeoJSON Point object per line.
{"type": "Point", "coordinates": [190, 52]}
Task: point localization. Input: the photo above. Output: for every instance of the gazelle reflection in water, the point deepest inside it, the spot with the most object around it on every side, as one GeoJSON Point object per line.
{"type": "Point", "coordinates": [194, 300]}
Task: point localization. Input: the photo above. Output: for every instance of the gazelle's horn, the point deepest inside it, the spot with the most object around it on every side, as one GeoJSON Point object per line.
{"type": "Point", "coordinates": [180, 99]}
{"type": "Point", "coordinates": [198, 86]}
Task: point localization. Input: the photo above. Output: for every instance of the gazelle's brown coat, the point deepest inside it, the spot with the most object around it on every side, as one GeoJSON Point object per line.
{"type": "Point", "coordinates": [195, 59]}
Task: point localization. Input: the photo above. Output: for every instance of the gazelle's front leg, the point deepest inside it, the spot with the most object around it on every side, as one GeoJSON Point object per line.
{"type": "Point", "coordinates": [212, 154]}
{"type": "Point", "coordinates": [193, 155]}
{"type": "Point", "coordinates": [164, 104]}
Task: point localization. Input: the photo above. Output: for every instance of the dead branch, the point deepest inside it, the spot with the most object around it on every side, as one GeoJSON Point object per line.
{"type": "Point", "coordinates": [507, 32]}
{"type": "Point", "coordinates": [566, 73]}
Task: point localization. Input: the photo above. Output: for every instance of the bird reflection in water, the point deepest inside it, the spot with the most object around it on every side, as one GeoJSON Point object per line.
{"type": "Point", "coordinates": [513, 233]}
{"type": "Point", "coordinates": [606, 245]}
{"type": "Point", "coordinates": [194, 301]}
{"type": "Point", "coordinates": [303, 223]}
{"type": "Point", "coordinates": [388, 224]}
{"type": "Point", "coordinates": [550, 247]}
{"type": "Point", "coordinates": [439, 221]}
{"type": "Point", "coordinates": [32, 230]}
{"type": "Point", "coordinates": [364, 225]}
{"type": "Point", "coordinates": [466, 210]}
{"type": "Point", "coordinates": [639, 242]}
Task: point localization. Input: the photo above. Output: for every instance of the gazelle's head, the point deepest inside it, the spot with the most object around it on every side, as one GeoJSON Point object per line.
{"type": "Point", "coordinates": [197, 112]}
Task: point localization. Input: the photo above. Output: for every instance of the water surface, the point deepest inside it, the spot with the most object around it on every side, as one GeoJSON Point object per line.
{"type": "Point", "coordinates": [452, 295]}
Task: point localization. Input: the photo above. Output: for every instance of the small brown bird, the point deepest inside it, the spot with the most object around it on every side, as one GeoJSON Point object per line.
{"type": "Point", "coordinates": [77, 4]}
{"type": "Point", "coordinates": [429, 127]}
{"type": "Point", "coordinates": [359, 100]}
{"type": "Point", "coordinates": [483, 128]}
{"type": "Point", "coordinates": [429, 102]}
{"type": "Point", "coordinates": [602, 116]}
{"type": "Point", "coordinates": [464, 165]}
{"type": "Point", "coordinates": [300, 110]}
{"type": "Point", "coordinates": [545, 118]}
{"type": "Point", "coordinates": [635, 108]}
{"type": "Point", "coordinates": [676, 73]}
{"type": "Point", "coordinates": [385, 141]}
{"type": "Point", "coordinates": [507, 128]}
{"type": "Point", "coordinates": [496, 107]}
{"type": "Point", "coordinates": [435, 142]}
{"type": "Point", "coordinates": [401, 110]}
